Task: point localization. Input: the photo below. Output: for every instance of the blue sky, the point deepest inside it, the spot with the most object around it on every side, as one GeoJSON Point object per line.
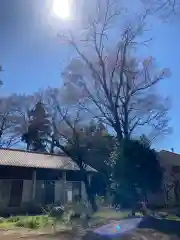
{"type": "Point", "coordinates": [33, 57]}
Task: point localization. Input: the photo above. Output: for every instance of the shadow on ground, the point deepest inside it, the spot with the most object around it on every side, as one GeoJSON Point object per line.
{"type": "Point", "coordinates": [161, 225]}
{"type": "Point", "coordinates": [149, 228]}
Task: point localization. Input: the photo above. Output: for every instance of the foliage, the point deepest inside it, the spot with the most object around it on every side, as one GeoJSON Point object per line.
{"type": "Point", "coordinates": [79, 214]}
{"type": "Point", "coordinates": [122, 197]}
{"type": "Point", "coordinates": [76, 214]}
{"type": "Point", "coordinates": [38, 129]}
{"type": "Point", "coordinates": [145, 141]}
{"type": "Point", "coordinates": [13, 219]}
{"type": "Point", "coordinates": [137, 167]}
{"type": "Point", "coordinates": [78, 208]}
{"type": "Point", "coordinates": [32, 222]}
{"type": "Point", "coordinates": [100, 200]}
{"type": "Point", "coordinates": [96, 145]}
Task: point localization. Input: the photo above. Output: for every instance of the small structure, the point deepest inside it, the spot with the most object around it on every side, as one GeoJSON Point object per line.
{"type": "Point", "coordinates": [28, 178]}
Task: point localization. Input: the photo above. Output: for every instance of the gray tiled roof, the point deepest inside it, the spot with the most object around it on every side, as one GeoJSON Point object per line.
{"type": "Point", "coordinates": [19, 158]}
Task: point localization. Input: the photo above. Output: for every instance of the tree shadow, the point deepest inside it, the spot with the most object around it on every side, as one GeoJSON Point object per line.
{"type": "Point", "coordinates": [166, 226]}
{"type": "Point", "coordinates": [132, 228]}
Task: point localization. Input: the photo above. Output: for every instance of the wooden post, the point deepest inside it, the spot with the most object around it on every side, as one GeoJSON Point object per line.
{"type": "Point", "coordinates": [89, 179]}
{"type": "Point", "coordinates": [64, 187]}
{"type": "Point", "coordinates": [64, 176]}
{"type": "Point", "coordinates": [34, 185]}
{"type": "Point", "coordinates": [83, 191]}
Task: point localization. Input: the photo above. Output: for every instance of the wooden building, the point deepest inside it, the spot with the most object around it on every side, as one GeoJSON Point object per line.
{"type": "Point", "coordinates": [30, 179]}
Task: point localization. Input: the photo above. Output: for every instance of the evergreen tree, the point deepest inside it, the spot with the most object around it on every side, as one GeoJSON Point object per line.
{"type": "Point", "coordinates": [39, 129]}
{"type": "Point", "coordinates": [137, 168]}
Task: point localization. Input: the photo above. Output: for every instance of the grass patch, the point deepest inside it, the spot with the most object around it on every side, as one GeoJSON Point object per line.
{"type": "Point", "coordinates": [6, 225]}
{"type": "Point", "coordinates": [111, 214]}
{"type": "Point", "coordinates": [172, 217]}
{"type": "Point", "coordinates": [103, 216]}
{"type": "Point", "coordinates": [31, 222]}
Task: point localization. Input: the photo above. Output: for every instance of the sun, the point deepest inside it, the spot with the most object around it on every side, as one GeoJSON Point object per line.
{"type": "Point", "coordinates": [61, 8]}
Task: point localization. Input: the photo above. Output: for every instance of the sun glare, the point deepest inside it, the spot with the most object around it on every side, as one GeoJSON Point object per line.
{"type": "Point", "coordinates": [61, 8]}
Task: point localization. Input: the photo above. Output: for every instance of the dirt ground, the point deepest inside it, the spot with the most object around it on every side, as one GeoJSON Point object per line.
{"type": "Point", "coordinates": [148, 229]}
{"type": "Point", "coordinates": [30, 235]}
{"type": "Point", "coordinates": [145, 234]}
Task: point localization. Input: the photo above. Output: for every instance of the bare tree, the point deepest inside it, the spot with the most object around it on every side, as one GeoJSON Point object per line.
{"type": "Point", "coordinates": [67, 124]}
{"type": "Point", "coordinates": [112, 83]}
{"type": "Point", "coordinates": [1, 82]}
{"type": "Point", "coordinates": [8, 121]}
{"type": "Point", "coordinates": [165, 8]}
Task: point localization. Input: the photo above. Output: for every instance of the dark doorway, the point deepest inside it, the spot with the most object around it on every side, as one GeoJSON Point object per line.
{"type": "Point", "coordinates": [49, 192]}
{"type": "Point", "coordinates": [16, 193]}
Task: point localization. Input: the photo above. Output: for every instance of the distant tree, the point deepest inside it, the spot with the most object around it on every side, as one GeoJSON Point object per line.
{"type": "Point", "coordinates": [137, 167]}
{"type": "Point", "coordinates": [38, 129]}
{"type": "Point", "coordinates": [8, 121]}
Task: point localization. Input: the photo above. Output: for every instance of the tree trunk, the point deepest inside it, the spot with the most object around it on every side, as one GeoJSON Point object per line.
{"type": "Point", "coordinates": [88, 191]}
{"type": "Point", "coordinates": [135, 200]}
{"type": "Point", "coordinates": [27, 147]}
{"type": "Point", "coordinates": [118, 132]}
{"type": "Point", "coordinates": [52, 145]}
{"type": "Point", "coordinates": [78, 161]}
{"type": "Point", "coordinates": [126, 122]}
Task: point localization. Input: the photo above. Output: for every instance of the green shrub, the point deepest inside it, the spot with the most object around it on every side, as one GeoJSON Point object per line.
{"type": "Point", "coordinates": [100, 200]}
{"type": "Point", "coordinates": [29, 222]}
{"type": "Point", "coordinates": [20, 223]}
{"type": "Point", "coordinates": [13, 219]}
{"type": "Point", "coordinates": [77, 213]}
{"type": "Point", "coordinates": [44, 220]}
{"type": "Point", "coordinates": [34, 223]}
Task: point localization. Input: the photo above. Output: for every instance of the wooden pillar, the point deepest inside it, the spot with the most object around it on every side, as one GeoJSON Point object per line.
{"type": "Point", "coordinates": [89, 179]}
{"type": "Point", "coordinates": [34, 185]}
{"type": "Point", "coordinates": [64, 176]}
{"type": "Point", "coordinates": [64, 187]}
{"type": "Point", "coordinates": [83, 191]}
